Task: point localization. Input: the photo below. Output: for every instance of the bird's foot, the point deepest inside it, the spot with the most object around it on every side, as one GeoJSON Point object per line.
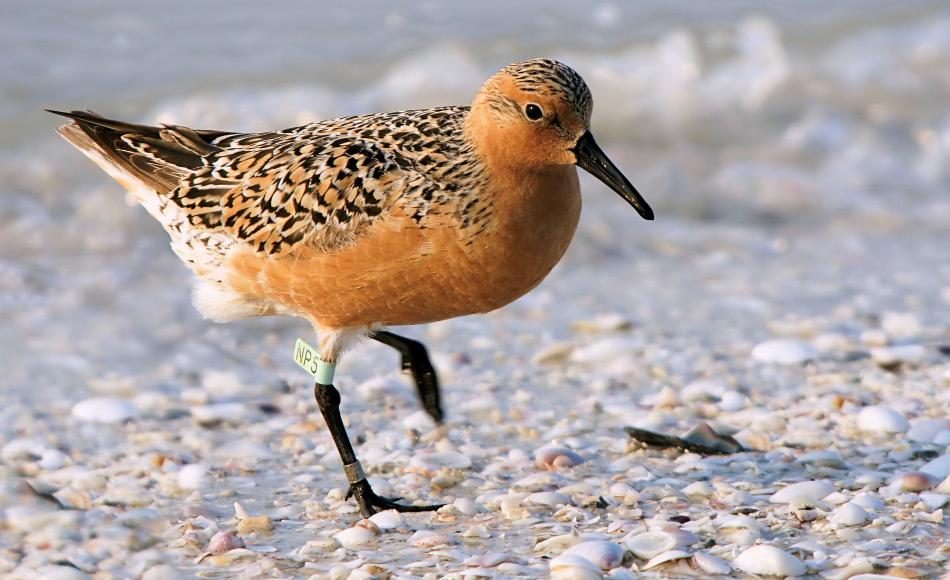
{"type": "Point", "coordinates": [370, 503]}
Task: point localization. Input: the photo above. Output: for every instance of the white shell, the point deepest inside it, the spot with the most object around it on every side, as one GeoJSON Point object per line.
{"type": "Point", "coordinates": [664, 558]}
{"type": "Point", "coordinates": [606, 555]}
{"type": "Point", "coordinates": [436, 460]}
{"type": "Point", "coordinates": [891, 355]}
{"type": "Point", "coordinates": [356, 537]}
{"type": "Point", "coordinates": [926, 430]}
{"type": "Point", "coordinates": [868, 500]}
{"type": "Point", "coordinates": [651, 544]}
{"type": "Point", "coordinates": [769, 561]}
{"type": "Point", "coordinates": [556, 543]}
{"type": "Point", "coordinates": [784, 351]}
{"type": "Point", "coordinates": [192, 476]}
{"type": "Point", "coordinates": [571, 567]}
{"type": "Point", "coordinates": [548, 498]}
{"type": "Point", "coordinates": [939, 467]}
{"type": "Point", "coordinates": [105, 410]}
{"type": "Point", "coordinates": [803, 493]}
{"type": "Point", "coordinates": [881, 419]}
{"type": "Point", "coordinates": [712, 565]}
{"type": "Point", "coordinates": [553, 457]}
{"type": "Point", "coordinates": [224, 541]}
{"type": "Point", "coordinates": [849, 514]}
{"type": "Point", "coordinates": [430, 539]}
{"type": "Point", "coordinates": [388, 520]}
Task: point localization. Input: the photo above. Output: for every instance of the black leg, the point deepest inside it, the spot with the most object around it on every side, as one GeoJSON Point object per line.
{"type": "Point", "coordinates": [415, 359]}
{"type": "Point", "coordinates": [328, 399]}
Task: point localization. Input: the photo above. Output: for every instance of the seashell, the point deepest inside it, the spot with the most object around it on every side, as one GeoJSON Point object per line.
{"type": "Point", "coordinates": [192, 476]}
{"type": "Point", "coordinates": [926, 430]}
{"type": "Point", "coordinates": [356, 537]}
{"type": "Point", "coordinates": [703, 434]}
{"type": "Point", "coordinates": [248, 524]}
{"type": "Point", "coordinates": [664, 558]}
{"type": "Point", "coordinates": [571, 567]}
{"type": "Point", "coordinates": [554, 352]}
{"type": "Point", "coordinates": [933, 501]}
{"type": "Point", "coordinates": [803, 493]}
{"type": "Point", "coordinates": [548, 498]}
{"type": "Point", "coordinates": [611, 322]}
{"type": "Point", "coordinates": [388, 520]}
{"type": "Point", "coordinates": [491, 559]}
{"type": "Point", "coordinates": [224, 541]}
{"type": "Point", "coordinates": [52, 459]}
{"type": "Point", "coordinates": [552, 457]}
{"type": "Point", "coordinates": [768, 560]}
{"type": "Point", "coordinates": [881, 419]}
{"type": "Point", "coordinates": [370, 572]}
{"type": "Point", "coordinates": [430, 539]}
{"type": "Point", "coordinates": [557, 543]}
{"type": "Point", "coordinates": [916, 481]}
{"type": "Point", "coordinates": [892, 356]}
{"type": "Point", "coordinates": [712, 565]}
{"type": "Point", "coordinates": [74, 498]}
{"type": "Point", "coordinates": [217, 413]}
{"type": "Point", "coordinates": [466, 506]}
{"type": "Point", "coordinates": [624, 493]}
{"type": "Point", "coordinates": [476, 531]}
{"type": "Point", "coordinates": [938, 467]}
{"type": "Point", "coordinates": [605, 350]}
{"type": "Point", "coordinates": [823, 458]}
{"type": "Point", "coordinates": [651, 544]}
{"type": "Point", "coordinates": [56, 572]}
{"type": "Point", "coordinates": [733, 401]}
{"type": "Point", "coordinates": [868, 500]}
{"type": "Point", "coordinates": [105, 410]}
{"type": "Point", "coordinates": [428, 462]}
{"type": "Point", "coordinates": [699, 489]}
{"type": "Point", "coordinates": [540, 481]}
{"type": "Point", "coordinates": [784, 351]}
{"type": "Point", "coordinates": [227, 558]}
{"type": "Point", "coordinates": [849, 514]}
{"type": "Point", "coordinates": [606, 555]}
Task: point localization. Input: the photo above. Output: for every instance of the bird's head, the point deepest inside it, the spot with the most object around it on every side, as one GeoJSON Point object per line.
{"type": "Point", "coordinates": [536, 114]}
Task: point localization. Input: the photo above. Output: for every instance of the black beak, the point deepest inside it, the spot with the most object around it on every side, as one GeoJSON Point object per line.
{"type": "Point", "coordinates": [592, 159]}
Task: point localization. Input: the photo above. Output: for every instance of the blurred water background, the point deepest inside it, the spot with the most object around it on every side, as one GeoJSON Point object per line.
{"type": "Point", "coordinates": [796, 154]}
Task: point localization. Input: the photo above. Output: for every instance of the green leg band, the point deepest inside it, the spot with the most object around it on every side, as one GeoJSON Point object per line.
{"type": "Point", "coordinates": [325, 371]}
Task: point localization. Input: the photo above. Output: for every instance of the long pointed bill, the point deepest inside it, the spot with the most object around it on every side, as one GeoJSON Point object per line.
{"type": "Point", "coordinates": [592, 159]}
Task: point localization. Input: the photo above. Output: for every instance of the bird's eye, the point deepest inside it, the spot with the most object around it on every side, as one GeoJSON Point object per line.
{"type": "Point", "coordinates": [533, 112]}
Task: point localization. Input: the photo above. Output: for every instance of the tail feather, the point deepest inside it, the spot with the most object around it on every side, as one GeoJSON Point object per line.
{"type": "Point", "coordinates": [158, 157]}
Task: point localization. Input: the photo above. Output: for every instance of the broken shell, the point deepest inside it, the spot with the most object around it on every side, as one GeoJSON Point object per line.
{"type": "Point", "coordinates": [768, 560]}
{"type": "Point", "coordinates": [248, 524]}
{"type": "Point", "coordinates": [571, 567]}
{"type": "Point", "coordinates": [556, 457]}
{"type": "Point", "coordinates": [356, 537]}
{"type": "Point", "coordinates": [651, 544]}
{"type": "Point", "coordinates": [606, 555]}
{"type": "Point", "coordinates": [664, 558]}
{"type": "Point", "coordinates": [711, 565]}
{"type": "Point", "coordinates": [224, 541]}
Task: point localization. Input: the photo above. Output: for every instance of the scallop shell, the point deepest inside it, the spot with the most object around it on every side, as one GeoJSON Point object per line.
{"type": "Point", "coordinates": [768, 560]}
{"type": "Point", "coordinates": [553, 457]}
{"type": "Point", "coordinates": [571, 567]}
{"type": "Point", "coordinates": [651, 544]}
{"type": "Point", "coordinates": [606, 555]}
{"type": "Point", "coordinates": [224, 541]}
{"type": "Point", "coordinates": [664, 558]}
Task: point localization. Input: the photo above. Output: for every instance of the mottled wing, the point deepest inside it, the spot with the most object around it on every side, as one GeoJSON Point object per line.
{"type": "Point", "coordinates": [275, 191]}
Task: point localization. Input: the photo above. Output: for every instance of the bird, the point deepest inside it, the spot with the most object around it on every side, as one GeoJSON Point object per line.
{"type": "Point", "coordinates": [363, 223]}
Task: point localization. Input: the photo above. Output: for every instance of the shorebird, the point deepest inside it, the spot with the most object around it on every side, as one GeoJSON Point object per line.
{"type": "Point", "coordinates": [362, 223]}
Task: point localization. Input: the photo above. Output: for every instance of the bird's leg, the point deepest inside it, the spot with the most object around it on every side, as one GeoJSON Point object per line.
{"type": "Point", "coordinates": [415, 359]}
{"type": "Point", "coordinates": [328, 399]}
